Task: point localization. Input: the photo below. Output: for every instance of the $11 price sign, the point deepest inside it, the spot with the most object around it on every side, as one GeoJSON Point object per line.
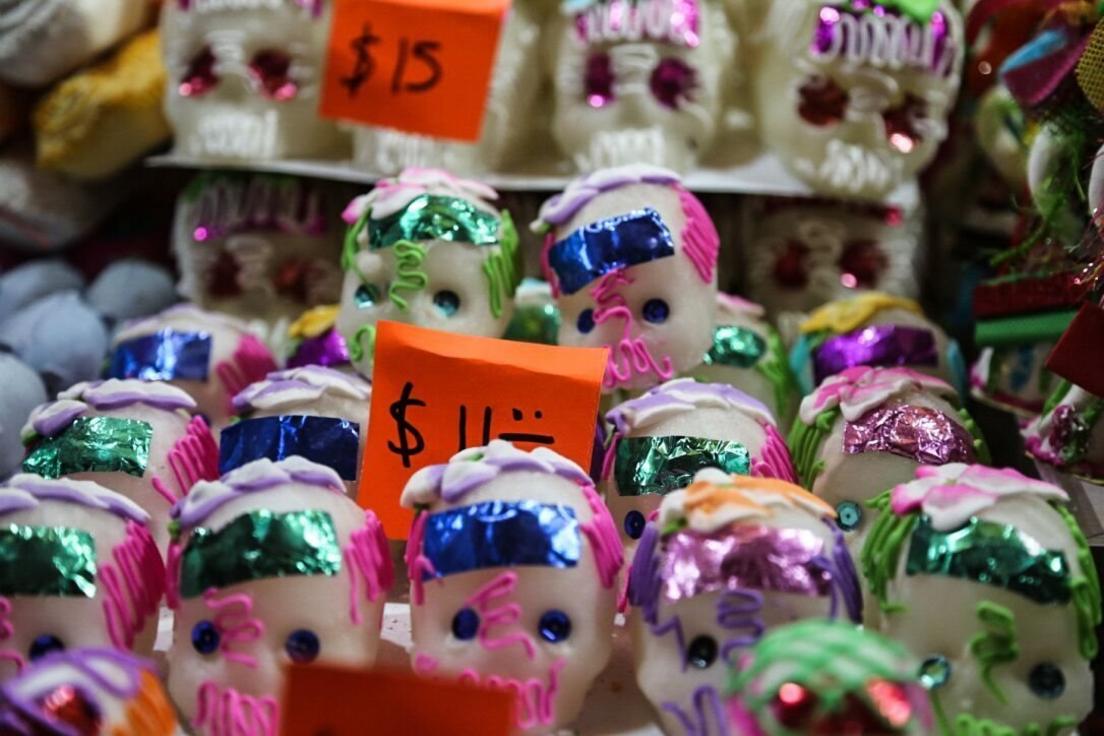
{"type": "Point", "coordinates": [420, 66]}
{"type": "Point", "coordinates": [436, 393]}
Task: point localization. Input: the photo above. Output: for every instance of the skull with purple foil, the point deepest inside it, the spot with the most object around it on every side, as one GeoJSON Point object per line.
{"type": "Point", "coordinates": [244, 78]}
{"type": "Point", "coordinates": [729, 558]}
{"type": "Point", "coordinates": [853, 95]}
{"type": "Point", "coordinates": [632, 259]}
{"type": "Point", "coordinates": [513, 563]}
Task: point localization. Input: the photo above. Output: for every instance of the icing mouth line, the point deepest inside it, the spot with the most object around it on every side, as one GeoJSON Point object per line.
{"type": "Point", "coordinates": [536, 700]}
{"type": "Point", "coordinates": [227, 712]}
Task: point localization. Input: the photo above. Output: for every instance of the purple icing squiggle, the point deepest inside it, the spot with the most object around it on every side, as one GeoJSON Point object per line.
{"type": "Point", "coordinates": [707, 701]}
{"type": "Point", "coordinates": [67, 490]}
{"type": "Point", "coordinates": [562, 207]}
{"type": "Point", "coordinates": [667, 395]}
{"type": "Point", "coordinates": [51, 424]}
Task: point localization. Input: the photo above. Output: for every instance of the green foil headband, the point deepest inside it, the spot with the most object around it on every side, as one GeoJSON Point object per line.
{"type": "Point", "coordinates": [260, 544]}
{"type": "Point", "coordinates": [991, 554]}
{"type": "Point", "coordinates": [662, 464]}
{"type": "Point", "coordinates": [436, 217]}
{"type": "Point", "coordinates": [93, 445]}
{"type": "Point", "coordinates": [47, 560]}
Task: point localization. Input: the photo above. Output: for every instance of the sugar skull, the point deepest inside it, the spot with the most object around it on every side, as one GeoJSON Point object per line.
{"type": "Point", "coordinates": [273, 564]}
{"type": "Point", "coordinates": [513, 561]}
{"type": "Point", "coordinates": [139, 438]}
{"type": "Point", "coordinates": [536, 317]}
{"type": "Point", "coordinates": [985, 576]}
{"type": "Point", "coordinates": [823, 677]}
{"type": "Point", "coordinates": [81, 569]}
{"type": "Point", "coordinates": [258, 246]}
{"type": "Point", "coordinates": [314, 412]}
{"type": "Point", "coordinates": [20, 392]}
{"type": "Point", "coordinates": [747, 353]}
{"type": "Point", "coordinates": [632, 257]}
{"type": "Point", "coordinates": [244, 78]}
{"type": "Point", "coordinates": [874, 329]}
{"type": "Point", "coordinates": [427, 248]}
{"type": "Point", "coordinates": [1013, 377]}
{"type": "Point", "coordinates": [853, 95]}
{"type": "Point", "coordinates": [661, 439]}
{"type": "Point", "coordinates": [803, 252]}
{"type": "Point", "coordinates": [94, 690]}
{"type": "Point", "coordinates": [315, 340]}
{"type": "Point", "coordinates": [209, 355]}
{"type": "Point", "coordinates": [1069, 434]}
{"type": "Point", "coordinates": [729, 558]}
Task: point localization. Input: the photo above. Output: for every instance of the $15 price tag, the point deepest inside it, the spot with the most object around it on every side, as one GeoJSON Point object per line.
{"type": "Point", "coordinates": [420, 66]}
{"type": "Point", "coordinates": [436, 393]}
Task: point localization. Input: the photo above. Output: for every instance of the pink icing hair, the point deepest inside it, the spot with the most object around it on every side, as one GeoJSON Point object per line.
{"type": "Point", "coordinates": [369, 560]}
{"type": "Point", "coordinates": [536, 703]}
{"type": "Point", "coordinates": [193, 458]}
{"type": "Point", "coordinates": [493, 613]}
{"type": "Point", "coordinates": [417, 563]}
{"type": "Point", "coordinates": [601, 532]}
{"type": "Point", "coordinates": [774, 460]}
{"type": "Point", "coordinates": [235, 622]}
{"type": "Point", "coordinates": [251, 362]}
{"type": "Point", "coordinates": [133, 585]}
{"type": "Point", "coordinates": [630, 355]}
{"type": "Point", "coordinates": [6, 632]}
{"type": "Point", "coordinates": [230, 713]}
{"type": "Point", "coordinates": [172, 574]}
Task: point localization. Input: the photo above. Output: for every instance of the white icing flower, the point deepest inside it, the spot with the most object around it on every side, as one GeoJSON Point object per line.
{"type": "Point", "coordinates": [859, 389]}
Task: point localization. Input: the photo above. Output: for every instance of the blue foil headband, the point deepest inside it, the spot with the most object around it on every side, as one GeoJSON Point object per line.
{"type": "Point", "coordinates": [165, 355]}
{"type": "Point", "coordinates": [327, 441]}
{"type": "Point", "coordinates": [501, 534]}
{"type": "Point", "coordinates": [608, 245]}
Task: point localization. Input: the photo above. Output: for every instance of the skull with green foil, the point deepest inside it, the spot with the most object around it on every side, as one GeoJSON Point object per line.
{"type": "Point", "coordinates": [985, 576]}
{"type": "Point", "coordinates": [427, 248]}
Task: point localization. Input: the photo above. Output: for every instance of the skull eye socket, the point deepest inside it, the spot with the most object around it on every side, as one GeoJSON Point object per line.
{"type": "Point", "coordinates": [821, 101]}
{"type": "Point", "coordinates": [270, 69]}
{"type": "Point", "coordinates": [861, 264]}
{"type": "Point", "coordinates": [200, 77]}
{"type": "Point", "coordinates": [901, 123]}
{"type": "Point", "coordinates": [598, 80]}
{"type": "Point", "coordinates": [673, 81]}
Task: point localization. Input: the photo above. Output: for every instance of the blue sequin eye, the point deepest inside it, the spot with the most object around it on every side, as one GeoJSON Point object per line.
{"type": "Point", "coordinates": [465, 624]}
{"type": "Point", "coordinates": [935, 671]}
{"type": "Point", "coordinates": [447, 301]}
{"type": "Point", "coordinates": [366, 295]}
{"type": "Point", "coordinates": [302, 646]}
{"type": "Point", "coordinates": [205, 637]}
{"type": "Point", "coordinates": [634, 524]}
{"type": "Point", "coordinates": [585, 323]}
{"type": "Point", "coordinates": [44, 644]}
{"type": "Point", "coordinates": [1046, 681]}
{"type": "Point", "coordinates": [702, 652]}
{"type": "Point", "coordinates": [849, 515]}
{"type": "Point", "coordinates": [554, 626]}
{"type": "Point", "coordinates": [656, 311]}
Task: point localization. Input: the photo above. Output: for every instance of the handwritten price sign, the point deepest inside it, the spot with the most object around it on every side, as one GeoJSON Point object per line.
{"type": "Point", "coordinates": [421, 66]}
{"type": "Point", "coordinates": [435, 393]}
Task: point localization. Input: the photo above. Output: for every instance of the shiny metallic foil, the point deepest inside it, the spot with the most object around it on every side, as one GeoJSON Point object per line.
{"type": "Point", "coordinates": [991, 554]}
{"type": "Point", "coordinates": [876, 345]}
{"type": "Point", "coordinates": [93, 445]}
{"type": "Point", "coordinates": [539, 324]}
{"type": "Point", "coordinates": [435, 217]}
{"type": "Point", "coordinates": [735, 346]}
{"type": "Point", "coordinates": [744, 556]}
{"type": "Point", "coordinates": [608, 245]}
{"type": "Point", "coordinates": [260, 544]}
{"type": "Point", "coordinates": [918, 433]}
{"type": "Point", "coordinates": [501, 534]}
{"type": "Point", "coordinates": [327, 441]}
{"type": "Point", "coordinates": [662, 464]}
{"type": "Point", "coordinates": [165, 355]}
{"type": "Point", "coordinates": [47, 560]}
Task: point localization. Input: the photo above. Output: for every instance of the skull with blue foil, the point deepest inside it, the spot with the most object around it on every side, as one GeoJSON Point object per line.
{"type": "Point", "coordinates": [513, 563]}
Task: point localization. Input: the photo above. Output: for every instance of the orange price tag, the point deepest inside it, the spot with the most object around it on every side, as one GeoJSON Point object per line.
{"type": "Point", "coordinates": [324, 700]}
{"type": "Point", "coordinates": [421, 66]}
{"type": "Point", "coordinates": [436, 393]}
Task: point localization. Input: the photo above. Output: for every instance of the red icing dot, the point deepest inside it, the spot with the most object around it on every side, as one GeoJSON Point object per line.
{"type": "Point", "coordinates": [789, 268]}
{"type": "Point", "coordinates": [823, 102]}
{"type": "Point", "coordinates": [270, 68]}
{"type": "Point", "coordinates": [672, 82]}
{"type": "Point", "coordinates": [200, 77]}
{"type": "Point", "coordinates": [899, 123]}
{"type": "Point", "coordinates": [598, 83]}
{"type": "Point", "coordinates": [861, 263]}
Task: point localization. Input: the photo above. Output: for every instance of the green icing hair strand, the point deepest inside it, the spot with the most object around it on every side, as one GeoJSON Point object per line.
{"type": "Point", "coordinates": [981, 447]}
{"type": "Point", "coordinates": [409, 275]}
{"type": "Point", "coordinates": [776, 369]}
{"type": "Point", "coordinates": [882, 548]}
{"type": "Point", "coordinates": [1084, 588]}
{"type": "Point", "coordinates": [805, 441]}
{"type": "Point", "coordinates": [996, 644]}
{"type": "Point", "coordinates": [502, 267]}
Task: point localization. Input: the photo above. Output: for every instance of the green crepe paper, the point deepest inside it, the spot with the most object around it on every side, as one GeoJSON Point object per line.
{"type": "Point", "coordinates": [93, 444]}
{"type": "Point", "coordinates": [47, 560]}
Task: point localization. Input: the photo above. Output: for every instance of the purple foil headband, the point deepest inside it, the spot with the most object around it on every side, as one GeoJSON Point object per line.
{"type": "Point", "coordinates": [328, 349]}
{"type": "Point", "coordinates": [918, 433]}
{"type": "Point", "coordinates": [876, 345]}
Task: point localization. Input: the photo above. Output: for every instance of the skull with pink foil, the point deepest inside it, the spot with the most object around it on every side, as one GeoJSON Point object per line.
{"type": "Point", "coordinates": [853, 95]}
{"type": "Point", "coordinates": [632, 258]}
{"type": "Point", "coordinates": [513, 562]}
{"type": "Point", "coordinates": [81, 569]}
{"type": "Point", "coordinates": [271, 564]}
{"type": "Point", "coordinates": [728, 559]}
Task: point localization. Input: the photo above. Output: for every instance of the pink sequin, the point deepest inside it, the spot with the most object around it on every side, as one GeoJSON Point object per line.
{"type": "Point", "coordinates": [133, 585]}
{"type": "Point", "coordinates": [200, 77]}
{"type": "Point", "coordinates": [270, 68]}
{"type": "Point", "coordinates": [598, 83]}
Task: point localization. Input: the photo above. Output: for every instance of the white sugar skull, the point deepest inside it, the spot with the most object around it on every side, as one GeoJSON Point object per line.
{"type": "Point", "coordinates": [802, 253]}
{"type": "Point", "coordinates": [1069, 435]}
{"type": "Point", "coordinates": [985, 576]}
{"type": "Point", "coordinates": [530, 607]}
{"type": "Point", "coordinates": [244, 78]}
{"type": "Point", "coordinates": [211, 356]}
{"type": "Point", "coordinates": [258, 246]}
{"type": "Point", "coordinates": [314, 412]}
{"type": "Point", "coordinates": [632, 258]}
{"type": "Point", "coordinates": [427, 248]}
{"type": "Point", "coordinates": [729, 558]}
{"type": "Point", "coordinates": [853, 95]}
{"type": "Point", "coordinates": [273, 564]}
{"type": "Point", "coordinates": [82, 570]}
{"type": "Point", "coordinates": [639, 82]}
{"type": "Point", "coordinates": [139, 438]}
{"type": "Point", "coordinates": [1013, 377]}
{"type": "Point", "coordinates": [92, 690]}
{"type": "Point", "coordinates": [661, 439]}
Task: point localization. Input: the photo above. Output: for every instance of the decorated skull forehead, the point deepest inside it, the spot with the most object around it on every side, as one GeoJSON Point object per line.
{"type": "Point", "coordinates": [315, 340]}
{"type": "Point", "coordinates": [1069, 434]}
{"type": "Point", "coordinates": [137, 438]}
{"type": "Point", "coordinates": [513, 561]}
{"type": "Point", "coordinates": [313, 412]}
{"type": "Point", "coordinates": [272, 563]}
{"type": "Point", "coordinates": [639, 82]}
{"type": "Point", "coordinates": [259, 246]}
{"type": "Point", "coordinates": [83, 570]}
{"type": "Point", "coordinates": [985, 576]}
{"type": "Point", "coordinates": [87, 691]}
{"type": "Point", "coordinates": [210, 355]}
{"type": "Point", "coordinates": [853, 95]}
{"type": "Point", "coordinates": [427, 248]}
{"type": "Point", "coordinates": [244, 77]}
{"type": "Point", "coordinates": [828, 677]}
{"type": "Point", "coordinates": [632, 256]}
{"type": "Point", "coordinates": [727, 559]}
{"type": "Point", "coordinates": [1013, 378]}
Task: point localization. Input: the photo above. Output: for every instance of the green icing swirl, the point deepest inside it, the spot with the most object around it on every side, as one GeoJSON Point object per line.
{"type": "Point", "coordinates": [776, 369]}
{"type": "Point", "coordinates": [502, 267]}
{"type": "Point", "coordinates": [996, 644]}
{"type": "Point", "coordinates": [409, 275]}
{"type": "Point", "coordinates": [805, 441]}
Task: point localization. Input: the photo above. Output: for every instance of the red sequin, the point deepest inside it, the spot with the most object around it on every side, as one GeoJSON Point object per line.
{"type": "Point", "coordinates": [861, 263]}
{"type": "Point", "coordinates": [200, 77]}
{"type": "Point", "coordinates": [899, 123]}
{"type": "Point", "coordinates": [271, 70]}
{"type": "Point", "coordinates": [789, 268]}
{"type": "Point", "coordinates": [823, 102]}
